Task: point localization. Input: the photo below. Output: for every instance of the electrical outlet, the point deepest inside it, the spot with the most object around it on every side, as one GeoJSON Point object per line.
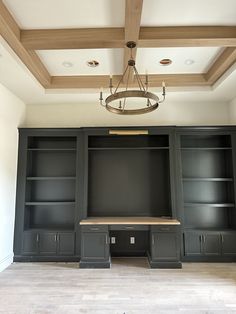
{"type": "Point", "coordinates": [132, 240]}
{"type": "Point", "coordinates": [113, 240]}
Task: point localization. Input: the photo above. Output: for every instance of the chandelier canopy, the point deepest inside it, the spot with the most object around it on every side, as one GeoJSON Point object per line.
{"type": "Point", "coordinates": [118, 100]}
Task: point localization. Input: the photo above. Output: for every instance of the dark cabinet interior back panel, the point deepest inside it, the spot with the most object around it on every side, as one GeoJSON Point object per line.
{"type": "Point", "coordinates": [50, 190]}
{"type": "Point", "coordinates": [116, 141]}
{"type": "Point", "coordinates": [50, 217]}
{"type": "Point", "coordinates": [51, 163]}
{"type": "Point", "coordinates": [206, 163]}
{"type": "Point", "coordinates": [129, 183]}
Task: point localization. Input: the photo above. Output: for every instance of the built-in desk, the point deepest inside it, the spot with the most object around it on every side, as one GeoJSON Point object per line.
{"type": "Point", "coordinates": [162, 245]}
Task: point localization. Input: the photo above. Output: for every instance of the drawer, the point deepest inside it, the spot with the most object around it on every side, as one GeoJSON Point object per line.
{"type": "Point", "coordinates": [165, 228]}
{"type": "Point", "coordinates": [129, 227]}
{"type": "Point", "coordinates": [94, 228]}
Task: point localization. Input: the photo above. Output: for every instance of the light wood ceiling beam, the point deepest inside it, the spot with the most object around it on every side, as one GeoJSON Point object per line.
{"type": "Point", "coordinates": [98, 81]}
{"type": "Point", "coordinates": [133, 11]}
{"type": "Point", "coordinates": [221, 65]}
{"type": "Point", "coordinates": [188, 36]}
{"type": "Point", "coordinates": [85, 38]}
{"type": "Point", "coordinates": [10, 31]}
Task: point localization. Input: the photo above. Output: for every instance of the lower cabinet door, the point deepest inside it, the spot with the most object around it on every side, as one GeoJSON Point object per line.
{"type": "Point", "coordinates": [192, 244]}
{"type": "Point", "coordinates": [30, 243]}
{"type": "Point", "coordinates": [48, 243]}
{"type": "Point", "coordinates": [66, 243]}
{"type": "Point", "coordinates": [228, 244]}
{"type": "Point", "coordinates": [95, 246]}
{"type": "Point", "coordinates": [164, 246]}
{"type": "Point", "coordinates": [211, 244]}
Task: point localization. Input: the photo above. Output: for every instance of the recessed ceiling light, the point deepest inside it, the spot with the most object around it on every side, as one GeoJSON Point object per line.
{"type": "Point", "coordinates": [67, 64]}
{"type": "Point", "coordinates": [165, 62]}
{"type": "Point", "coordinates": [189, 61]}
{"type": "Point", "coordinates": [92, 63]}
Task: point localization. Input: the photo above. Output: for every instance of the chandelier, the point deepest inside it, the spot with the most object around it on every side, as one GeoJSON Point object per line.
{"type": "Point", "coordinates": [118, 100]}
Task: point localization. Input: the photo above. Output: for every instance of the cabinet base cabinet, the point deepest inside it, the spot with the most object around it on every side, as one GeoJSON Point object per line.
{"type": "Point", "coordinates": [47, 246]}
{"type": "Point", "coordinates": [95, 250]}
{"type": "Point", "coordinates": [209, 246]}
{"type": "Point", "coordinates": [165, 247]}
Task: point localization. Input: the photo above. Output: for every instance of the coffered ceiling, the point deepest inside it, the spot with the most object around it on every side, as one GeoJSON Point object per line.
{"type": "Point", "coordinates": [55, 40]}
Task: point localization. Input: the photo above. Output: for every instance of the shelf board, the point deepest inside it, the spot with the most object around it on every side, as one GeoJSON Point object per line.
{"type": "Point", "coordinates": [128, 148]}
{"type": "Point", "coordinates": [49, 203]}
{"type": "Point", "coordinates": [50, 178]}
{"type": "Point", "coordinates": [209, 204]}
{"type": "Point", "coordinates": [52, 149]}
{"type": "Point", "coordinates": [50, 228]}
{"type": "Point", "coordinates": [208, 229]}
{"type": "Point", "coordinates": [207, 179]}
{"type": "Point", "coordinates": [206, 148]}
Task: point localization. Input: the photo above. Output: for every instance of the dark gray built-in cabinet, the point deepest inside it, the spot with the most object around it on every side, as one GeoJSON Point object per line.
{"type": "Point", "coordinates": [206, 174]}
{"type": "Point", "coordinates": [185, 173]}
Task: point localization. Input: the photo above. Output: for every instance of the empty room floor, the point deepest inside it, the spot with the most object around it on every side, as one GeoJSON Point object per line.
{"type": "Point", "coordinates": [128, 287]}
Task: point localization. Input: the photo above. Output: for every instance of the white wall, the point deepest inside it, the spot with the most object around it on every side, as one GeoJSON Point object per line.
{"type": "Point", "coordinates": [169, 113]}
{"type": "Point", "coordinates": [232, 111]}
{"type": "Point", "coordinates": [12, 111]}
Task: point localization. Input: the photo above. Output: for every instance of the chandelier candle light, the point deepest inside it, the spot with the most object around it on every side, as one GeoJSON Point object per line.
{"type": "Point", "coordinates": [117, 101]}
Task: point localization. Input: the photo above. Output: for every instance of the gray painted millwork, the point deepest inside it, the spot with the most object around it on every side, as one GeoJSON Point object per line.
{"type": "Point", "coordinates": [66, 175]}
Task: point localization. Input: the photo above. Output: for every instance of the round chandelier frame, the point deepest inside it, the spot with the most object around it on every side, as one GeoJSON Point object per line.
{"type": "Point", "coordinates": [152, 100]}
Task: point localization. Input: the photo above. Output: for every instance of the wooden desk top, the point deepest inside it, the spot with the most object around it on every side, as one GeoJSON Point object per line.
{"type": "Point", "coordinates": [129, 221]}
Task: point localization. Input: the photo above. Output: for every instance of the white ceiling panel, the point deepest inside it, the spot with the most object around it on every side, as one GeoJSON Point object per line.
{"type": "Point", "coordinates": [67, 14]}
{"type": "Point", "coordinates": [188, 12]}
{"type": "Point", "coordinates": [110, 61]}
{"type": "Point", "coordinates": [148, 59]}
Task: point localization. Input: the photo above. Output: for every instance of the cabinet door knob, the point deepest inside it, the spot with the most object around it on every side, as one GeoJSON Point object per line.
{"type": "Point", "coordinates": [55, 238]}
{"type": "Point", "coordinates": [222, 238]}
{"type": "Point", "coordinates": [153, 240]}
{"type": "Point", "coordinates": [37, 238]}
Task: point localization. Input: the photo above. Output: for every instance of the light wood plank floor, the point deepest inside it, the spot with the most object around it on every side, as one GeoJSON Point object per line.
{"type": "Point", "coordinates": [129, 287]}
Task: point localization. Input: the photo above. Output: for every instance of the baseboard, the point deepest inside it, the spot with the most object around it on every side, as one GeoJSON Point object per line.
{"type": "Point", "coordinates": [5, 262]}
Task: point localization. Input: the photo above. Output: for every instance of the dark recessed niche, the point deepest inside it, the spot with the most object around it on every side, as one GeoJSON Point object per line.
{"type": "Point", "coordinates": [129, 182]}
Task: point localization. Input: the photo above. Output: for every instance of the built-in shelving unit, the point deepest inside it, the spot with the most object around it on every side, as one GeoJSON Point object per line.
{"type": "Point", "coordinates": [207, 176]}
{"type": "Point", "coordinates": [207, 195]}
{"type": "Point", "coordinates": [129, 175]}
{"type": "Point", "coordinates": [50, 183]}
{"type": "Point", "coordinates": [66, 175]}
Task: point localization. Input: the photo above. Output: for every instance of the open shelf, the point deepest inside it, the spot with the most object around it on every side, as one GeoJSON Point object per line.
{"type": "Point", "coordinates": [128, 148]}
{"type": "Point", "coordinates": [49, 203]}
{"type": "Point", "coordinates": [208, 179]}
{"type": "Point", "coordinates": [47, 215]}
{"type": "Point", "coordinates": [206, 148]}
{"type": "Point", "coordinates": [50, 178]}
{"type": "Point", "coordinates": [209, 204]}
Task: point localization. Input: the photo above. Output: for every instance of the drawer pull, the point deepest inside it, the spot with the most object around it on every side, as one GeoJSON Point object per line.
{"type": "Point", "coordinates": [37, 238]}
{"type": "Point", "coordinates": [129, 227]}
{"type": "Point", "coordinates": [153, 240]}
{"type": "Point", "coordinates": [94, 229]}
{"type": "Point", "coordinates": [165, 229]}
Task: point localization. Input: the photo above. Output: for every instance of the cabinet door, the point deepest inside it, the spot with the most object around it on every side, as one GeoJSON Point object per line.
{"type": "Point", "coordinates": [30, 243]}
{"type": "Point", "coordinates": [228, 244]}
{"type": "Point", "coordinates": [211, 244]}
{"type": "Point", "coordinates": [48, 243]}
{"type": "Point", "coordinates": [66, 243]}
{"type": "Point", "coordinates": [192, 244]}
{"type": "Point", "coordinates": [95, 246]}
{"type": "Point", "coordinates": [164, 246]}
